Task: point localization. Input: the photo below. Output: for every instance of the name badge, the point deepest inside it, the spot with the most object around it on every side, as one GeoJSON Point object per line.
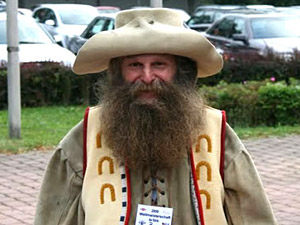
{"type": "Point", "coordinates": [153, 215]}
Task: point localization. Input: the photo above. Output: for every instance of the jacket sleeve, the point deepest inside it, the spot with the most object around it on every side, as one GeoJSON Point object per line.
{"type": "Point", "coordinates": [60, 194]}
{"type": "Point", "coordinates": [246, 202]}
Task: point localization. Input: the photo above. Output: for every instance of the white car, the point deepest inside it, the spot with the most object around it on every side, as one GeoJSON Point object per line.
{"type": "Point", "coordinates": [63, 21]}
{"type": "Point", "coordinates": [36, 46]}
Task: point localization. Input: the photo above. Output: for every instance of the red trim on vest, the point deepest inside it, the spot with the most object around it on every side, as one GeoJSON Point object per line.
{"type": "Point", "coordinates": [85, 124]}
{"type": "Point", "coordinates": [223, 132]}
{"type": "Point", "coordinates": [197, 188]}
{"type": "Point", "coordinates": [128, 196]}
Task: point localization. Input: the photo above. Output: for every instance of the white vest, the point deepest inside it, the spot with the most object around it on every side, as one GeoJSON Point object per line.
{"type": "Point", "coordinates": [106, 186]}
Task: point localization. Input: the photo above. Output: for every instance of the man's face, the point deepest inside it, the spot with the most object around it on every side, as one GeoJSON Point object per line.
{"type": "Point", "coordinates": [148, 68]}
{"type": "Point", "coordinates": [148, 117]}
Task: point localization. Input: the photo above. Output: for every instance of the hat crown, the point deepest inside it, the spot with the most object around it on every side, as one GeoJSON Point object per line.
{"type": "Point", "coordinates": [144, 31]}
{"type": "Point", "coordinates": [157, 15]}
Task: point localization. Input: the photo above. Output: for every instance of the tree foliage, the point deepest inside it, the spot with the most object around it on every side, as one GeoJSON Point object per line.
{"type": "Point", "coordinates": [248, 2]}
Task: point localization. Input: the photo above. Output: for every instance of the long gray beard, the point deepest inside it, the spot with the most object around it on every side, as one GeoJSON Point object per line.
{"type": "Point", "coordinates": [154, 135]}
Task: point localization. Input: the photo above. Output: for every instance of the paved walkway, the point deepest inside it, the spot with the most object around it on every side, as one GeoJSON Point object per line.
{"type": "Point", "coordinates": [277, 160]}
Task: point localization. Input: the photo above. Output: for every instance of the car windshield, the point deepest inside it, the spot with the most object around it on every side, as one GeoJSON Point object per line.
{"type": "Point", "coordinates": [279, 27]}
{"type": "Point", "coordinates": [29, 32]}
{"type": "Point", "coordinates": [205, 17]}
{"type": "Point", "coordinates": [77, 16]}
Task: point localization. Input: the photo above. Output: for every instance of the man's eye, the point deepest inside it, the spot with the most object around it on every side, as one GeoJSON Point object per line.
{"type": "Point", "coordinates": [159, 64]}
{"type": "Point", "coordinates": [135, 64]}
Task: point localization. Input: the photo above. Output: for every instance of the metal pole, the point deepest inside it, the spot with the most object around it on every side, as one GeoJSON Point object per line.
{"type": "Point", "coordinates": [13, 70]}
{"type": "Point", "coordinates": [156, 3]}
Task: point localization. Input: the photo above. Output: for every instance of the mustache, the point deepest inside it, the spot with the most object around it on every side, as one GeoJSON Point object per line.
{"type": "Point", "coordinates": [157, 87]}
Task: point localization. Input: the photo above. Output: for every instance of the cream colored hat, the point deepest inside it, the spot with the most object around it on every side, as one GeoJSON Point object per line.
{"type": "Point", "coordinates": [142, 31]}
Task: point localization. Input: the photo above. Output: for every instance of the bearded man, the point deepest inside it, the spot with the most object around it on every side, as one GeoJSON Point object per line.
{"type": "Point", "coordinates": [151, 152]}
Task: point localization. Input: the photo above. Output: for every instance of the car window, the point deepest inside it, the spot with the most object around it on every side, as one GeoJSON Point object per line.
{"type": "Point", "coordinates": [96, 28]}
{"type": "Point", "coordinates": [202, 17]}
{"type": "Point", "coordinates": [207, 17]}
{"type": "Point", "coordinates": [238, 27]}
{"type": "Point", "coordinates": [195, 19]}
{"type": "Point", "coordinates": [275, 27]}
{"type": "Point", "coordinates": [42, 15]}
{"type": "Point", "coordinates": [109, 25]}
{"type": "Point", "coordinates": [223, 28]}
{"type": "Point", "coordinates": [228, 26]}
{"type": "Point", "coordinates": [39, 15]}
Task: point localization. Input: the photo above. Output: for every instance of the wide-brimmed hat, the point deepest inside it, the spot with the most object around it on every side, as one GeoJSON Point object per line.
{"type": "Point", "coordinates": [147, 31]}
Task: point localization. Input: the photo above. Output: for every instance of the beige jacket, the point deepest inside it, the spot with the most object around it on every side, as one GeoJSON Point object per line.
{"type": "Point", "coordinates": [60, 197]}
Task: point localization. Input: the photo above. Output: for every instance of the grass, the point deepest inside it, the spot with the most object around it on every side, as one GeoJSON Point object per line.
{"type": "Point", "coordinates": [262, 131]}
{"type": "Point", "coordinates": [43, 128]}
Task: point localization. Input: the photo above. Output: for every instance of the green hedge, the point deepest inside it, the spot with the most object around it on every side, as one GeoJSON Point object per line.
{"type": "Point", "coordinates": [239, 71]}
{"type": "Point", "coordinates": [51, 85]}
{"type": "Point", "coordinates": [257, 102]}
{"type": "Point", "coordinates": [279, 104]}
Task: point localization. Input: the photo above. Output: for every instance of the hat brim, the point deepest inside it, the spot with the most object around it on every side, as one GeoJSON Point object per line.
{"type": "Point", "coordinates": [147, 38]}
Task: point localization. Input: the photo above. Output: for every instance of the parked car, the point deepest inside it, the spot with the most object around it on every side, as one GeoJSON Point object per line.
{"type": "Point", "coordinates": [98, 24]}
{"type": "Point", "coordinates": [24, 11]}
{"type": "Point", "coordinates": [36, 46]}
{"type": "Point", "coordinates": [2, 3]}
{"type": "Point", "coordinates": [254, 36]}
{"type": "Point", "coordinates": [216, 6]}
{"type": "Point", "coordinates": [295, 10]}
{"type": "Point", "coordinates": [63, 21]}
{"type": "Point", "coordinates": [203, 18]}
{"type": "Point", "coordinates": [107, 9]}
{"type": "Point", "coordinates": [265, 8]}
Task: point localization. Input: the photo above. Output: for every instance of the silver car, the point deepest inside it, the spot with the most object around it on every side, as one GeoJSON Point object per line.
{"type": "Point", "coordinates": [36, 46]}
{"type": "Point", "coordinates": [63, 21]}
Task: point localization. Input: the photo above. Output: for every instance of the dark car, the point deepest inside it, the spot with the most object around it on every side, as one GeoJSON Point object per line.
{"type": "Point", "coordinates": [206, 15]}
{"type": "Point", "coordinates": [98, 24]}
{"type": "Point", "coordinates": [201, 20]}
{"type": "Point", "coordinates": [255, 35]}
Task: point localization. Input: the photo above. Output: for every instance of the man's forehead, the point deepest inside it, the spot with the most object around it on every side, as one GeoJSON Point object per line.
{"type": "Point", "coordinates": [162, 55]}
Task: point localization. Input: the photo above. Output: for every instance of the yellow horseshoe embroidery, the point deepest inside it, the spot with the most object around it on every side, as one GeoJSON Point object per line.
{"type": "Point", "coordinates": [112, 192]}
{"type": "Point", "coordinates": [111, 165]}
{"type": "Point", "coordinates": [208, 198]}
{"type": "Point", "coordinates": [208, 140]}
{"type": "Point", "coordinates": [208, 169]}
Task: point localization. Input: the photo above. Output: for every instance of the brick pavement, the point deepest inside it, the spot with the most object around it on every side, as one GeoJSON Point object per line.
{"type": "Point", "coordinates": [20, 179]}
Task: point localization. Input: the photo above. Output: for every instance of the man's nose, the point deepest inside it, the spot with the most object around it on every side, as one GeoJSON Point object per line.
{"type": "Point", "coordinates": [148, 75]}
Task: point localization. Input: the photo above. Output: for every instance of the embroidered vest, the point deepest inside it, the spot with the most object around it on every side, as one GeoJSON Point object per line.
{"type": "Point", "coordinates": [106, 185]}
